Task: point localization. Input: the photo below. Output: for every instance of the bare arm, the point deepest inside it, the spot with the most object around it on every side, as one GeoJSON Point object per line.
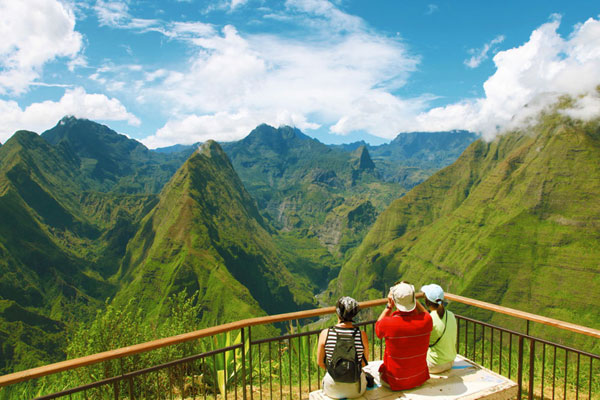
{"type": "Point", "coordinates": [321, 348]}
{"type": "Point", "coordinates": [389, 310]}
{"type": "Point", "coordinates": [365, 341]}
{"type": "Point", "coordinates": [420, 307]}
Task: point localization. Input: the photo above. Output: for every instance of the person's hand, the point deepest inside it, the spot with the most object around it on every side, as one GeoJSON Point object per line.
{"type": "Point", "coordinates": [390, 300]}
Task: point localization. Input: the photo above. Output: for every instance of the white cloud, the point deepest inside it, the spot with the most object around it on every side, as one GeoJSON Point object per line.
{"type": "Point", "coordinates": [431, 8]}
{"type": "Point", "coordinates": [115, 14]}
{"type": "Point", "coordinates": [33, 33]}
{"type": "Point", "coordinates": [112, 13]}
{"type": "Point", "coordinates": [480, 55]}
{"type": "Point", "coordinates": [237, 3]}
{"type": "Point", "coordinates": [321, 81]}
{"type": "Point", "coordinates": [527, 80]}
{"type": "Point", "coordinates": [345, 76]}
{"type": "Point", "coordinates": [220, 126]}
{"type": "Point", "coordinates": [585, 108]}
{"type": "Point", "coordinates": [40, 116]}
{"type": "Point", "coordinates": [325, 15]}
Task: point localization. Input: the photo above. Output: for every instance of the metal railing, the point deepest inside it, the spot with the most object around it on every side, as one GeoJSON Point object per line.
{"type": "Point", "coordinates": [256, 366]}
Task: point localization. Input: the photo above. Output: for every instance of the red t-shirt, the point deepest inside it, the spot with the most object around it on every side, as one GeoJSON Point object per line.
{"type": "Point", "coordinates": [406, 343]}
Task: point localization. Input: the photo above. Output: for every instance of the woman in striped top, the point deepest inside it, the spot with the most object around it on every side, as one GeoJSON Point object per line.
{"type": "Point", "coordinates": [346, 309]}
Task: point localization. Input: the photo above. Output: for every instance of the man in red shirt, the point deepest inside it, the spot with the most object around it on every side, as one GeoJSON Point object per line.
{"type": "Point", "coordinates": [406, 332]}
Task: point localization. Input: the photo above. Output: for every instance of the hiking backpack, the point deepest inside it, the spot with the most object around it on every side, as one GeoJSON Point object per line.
{"type": "Point", "coordinates": [344, 365]}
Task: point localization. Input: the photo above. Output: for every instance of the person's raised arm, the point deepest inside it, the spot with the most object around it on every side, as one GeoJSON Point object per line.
{"type": "Point", "coordinates": [389, 309]}
{"type": "Point", "coordinates": [420, 307]}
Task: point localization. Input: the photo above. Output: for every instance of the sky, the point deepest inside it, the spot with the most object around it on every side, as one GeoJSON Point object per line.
{"type": "Point", "coordinates": [183, 71]}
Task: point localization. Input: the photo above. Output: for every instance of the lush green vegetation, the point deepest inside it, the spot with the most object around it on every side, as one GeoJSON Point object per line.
{"type": "Point", "coordinates": [310, 189]}
{"type": "Point", "coordinates": [81, 220]}
{"type": "Point", "coordinates": [265, 224]}
{"type": "Point", "coordinates": [513, 222]}
{"type": "Point", "coordinates": [206, 234]}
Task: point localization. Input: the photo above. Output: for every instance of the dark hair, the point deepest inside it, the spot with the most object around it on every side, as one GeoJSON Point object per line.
{"type": "Point", "coordinates": [439, 307]}
{"type": "Point", "coordinates": [346, 308]}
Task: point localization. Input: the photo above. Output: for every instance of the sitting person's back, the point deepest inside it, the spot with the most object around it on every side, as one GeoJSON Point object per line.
{"type": "Point", "coordinates": [406, 332]}
{"type": "Point", "coordinates": [442, 343]}
{"type": "Point", "coordinates": [334, 346]}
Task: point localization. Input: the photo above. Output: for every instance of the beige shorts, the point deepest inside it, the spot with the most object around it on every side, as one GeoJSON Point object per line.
{"type": "Point", "coordinates": [340, 390]}
{"type": "Point", "coordinates": [436, 369]}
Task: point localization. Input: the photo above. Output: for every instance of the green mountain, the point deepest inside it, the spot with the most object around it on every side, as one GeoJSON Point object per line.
{"type": "Point", "coordinates": [514, 222]}
{"type": "Point", "coordinates": [88, 214]}
{"type": "Point", "coordinates": [412, 157]}
{"type": "Point", "coordinates": [309, 189]}
{"type": "Point", "coordinates": [206, 234]}
{"type": "Point", "coordinates": [110, 162]}
{"type": "Point", "coordinates": [57, 246]}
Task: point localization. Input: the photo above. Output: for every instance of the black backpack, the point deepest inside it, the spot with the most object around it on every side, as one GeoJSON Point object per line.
{"type": "Point", "coordinates": [344, 365]}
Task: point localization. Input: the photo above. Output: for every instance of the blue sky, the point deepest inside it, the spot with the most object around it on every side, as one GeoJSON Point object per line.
{"type": "Point", "coordinates": [182, 71]}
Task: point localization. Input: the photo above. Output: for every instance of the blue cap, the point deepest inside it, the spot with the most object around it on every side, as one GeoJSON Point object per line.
{"type": "Point", "coordinates": [434, 293]}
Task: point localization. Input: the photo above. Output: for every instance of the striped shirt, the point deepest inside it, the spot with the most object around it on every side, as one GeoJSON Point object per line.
{"type": "Point", "coordinates": [344, 333]}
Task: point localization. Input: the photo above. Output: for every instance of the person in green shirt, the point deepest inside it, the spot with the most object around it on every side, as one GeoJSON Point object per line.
{"type": "Point", "coordinates": [442, 342]}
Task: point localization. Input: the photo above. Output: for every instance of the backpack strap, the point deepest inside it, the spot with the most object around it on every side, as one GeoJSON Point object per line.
{"type": "Point", "coordinates": [356, 330]}
{"type": "Point", "coordinates": [327, 339]}
{"type": "Point", "coordinates": [445, 325]}
{"type": "Point", "coordinates": [362, 344]}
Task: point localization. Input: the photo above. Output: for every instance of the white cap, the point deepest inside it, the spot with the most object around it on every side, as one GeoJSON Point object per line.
{"type": "Point", "coordinates": [403, 295]}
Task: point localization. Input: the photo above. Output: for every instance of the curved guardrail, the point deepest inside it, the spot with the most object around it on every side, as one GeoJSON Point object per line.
{"type": "Point", "coordinates": [472, 344]}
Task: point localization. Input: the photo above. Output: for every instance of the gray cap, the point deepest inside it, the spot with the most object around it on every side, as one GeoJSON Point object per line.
{"type": "Point", "coordinates": [346, 308]}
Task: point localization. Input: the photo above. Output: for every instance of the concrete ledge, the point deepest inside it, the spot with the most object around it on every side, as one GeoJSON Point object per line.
{"type": "Point", "coordinates": [465, 381]}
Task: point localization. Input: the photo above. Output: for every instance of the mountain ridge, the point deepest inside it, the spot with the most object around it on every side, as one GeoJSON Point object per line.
{"type": "Point", "coordinates": [216, 221]}
{"type": "Point", "coordinates": [76, 222]}
{"type": "Point", "coordinates": [503, 224]}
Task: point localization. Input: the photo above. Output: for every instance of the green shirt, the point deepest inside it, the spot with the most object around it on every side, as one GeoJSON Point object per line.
{"type": "Point", "coordinates": [445, 349]}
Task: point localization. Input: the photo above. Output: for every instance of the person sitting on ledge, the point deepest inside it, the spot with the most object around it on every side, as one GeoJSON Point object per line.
{"type": "Point", "coordinates": [442, 342]}
{"type": "Point", "coordinates": [406, 332]}
{"type": "Point", "coordinates": [347, 346]}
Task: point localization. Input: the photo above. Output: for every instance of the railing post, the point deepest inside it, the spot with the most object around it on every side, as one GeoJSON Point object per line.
{"type": "Point", "coordinates": [243, 365]}
{"type": "Point", "coordinates": [250, 361]}
{"type": "Point", "coordinates": [531, 366]}
{"type": "Point", "coordinates": [520, 369]}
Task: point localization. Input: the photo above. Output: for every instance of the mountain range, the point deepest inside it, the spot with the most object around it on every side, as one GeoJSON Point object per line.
{"type": "Point", "coordinates": [87, 214]}
{"type": "Point", "coordinates": [266, 224]}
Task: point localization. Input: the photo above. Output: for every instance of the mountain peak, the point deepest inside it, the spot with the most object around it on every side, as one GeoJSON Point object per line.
{"type": "Point", "coordinates": [22, 135]}
{"type": "Point", "coordinates": [214, 151]}
{"type": "Point", "coordinates": [278, 139]}
{"type": "Point", "coordinates": [210, 148]}
{"type": "Point", "coordinates": [69, 119]}
{"type": "Point", "coordinates": [364, 160]}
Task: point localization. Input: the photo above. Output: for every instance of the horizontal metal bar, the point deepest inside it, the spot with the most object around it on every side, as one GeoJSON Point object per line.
{"type": "Point", "coordinates": [140, 372]}
{"type": "Point", "coordinates": [300, 334]}
{"type": "Point", "coordinates": [584, 330]}
{"type": "Point", "coordinates": [285, 337]}
{"type": "Point", "coordinates": [519, 334]}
